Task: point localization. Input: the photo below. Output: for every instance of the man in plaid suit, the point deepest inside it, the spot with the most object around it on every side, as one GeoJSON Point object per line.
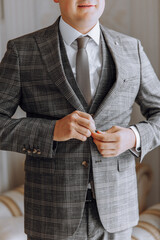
{"type": "Point", "coordinates": [79, 183]}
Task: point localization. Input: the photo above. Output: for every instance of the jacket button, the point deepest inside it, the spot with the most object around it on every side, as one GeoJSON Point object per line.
{"type": "Point", "coordinates": [24, 149]}
{"type": "Point", "coordinates": [38, 152]}
{"type": "Point", "coordinates": [29, 151]}
{"type": "Point", "coordinates": [85, 164]}
{"type": "Point", "coordinates": [34, 151]}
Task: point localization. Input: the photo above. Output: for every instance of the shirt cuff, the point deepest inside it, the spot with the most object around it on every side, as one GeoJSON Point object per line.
{"type": "Point", "coordinates": [138, 140]}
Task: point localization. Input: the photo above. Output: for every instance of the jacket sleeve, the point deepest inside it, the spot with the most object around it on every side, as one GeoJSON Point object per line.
{"type": "Point", "coordinates": [33, 136]}
{"type": "Point", "coordinates": [148, 99]}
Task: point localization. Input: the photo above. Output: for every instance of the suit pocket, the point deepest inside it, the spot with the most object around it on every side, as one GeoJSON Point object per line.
{"type": "Point", "coordinates": [42, 166]}
{"type": "Point", "coordinates": [133, 81]}
{"type": "Point", "coordinates": [126, 161]}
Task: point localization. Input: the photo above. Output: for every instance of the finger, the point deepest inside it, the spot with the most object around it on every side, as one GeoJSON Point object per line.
{"type": "Point", "coordinates": [114, 129]}
{"type": "Point", "coordinates": [84, 131]}
{"type": "Point", "coordinates": [108, 153]}
{"type": "Point", "coordinates": [100, 132]}
{"type": "Point", "coordinates": [80, 137]}
{"type": "Point", "coordinates": [104, 137]}
{"type": "Point", "coordinates": [105, 146]}
{"type": "Point", "coordinates": [86, 123]}
{"type": "Point", "coordinates": [85, 115]}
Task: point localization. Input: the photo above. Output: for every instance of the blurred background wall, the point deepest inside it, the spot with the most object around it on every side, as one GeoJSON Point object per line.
{"type": "Point", "coordinates": [139, 19]}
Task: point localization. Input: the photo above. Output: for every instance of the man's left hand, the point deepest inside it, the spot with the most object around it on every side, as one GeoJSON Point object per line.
{"type": "Point", "coordinates": [114, 141]}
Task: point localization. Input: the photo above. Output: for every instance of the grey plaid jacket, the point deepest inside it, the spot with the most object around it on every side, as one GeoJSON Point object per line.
{"type": "Point", "coordinates": [32, 76]}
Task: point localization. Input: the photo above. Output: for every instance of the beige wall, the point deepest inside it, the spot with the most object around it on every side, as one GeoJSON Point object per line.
{"type": "Point", "coordinates": [133, 17]}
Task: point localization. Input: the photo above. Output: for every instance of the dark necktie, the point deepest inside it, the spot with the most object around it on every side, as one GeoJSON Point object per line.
{"type": "Point", "coordinates": [82, 69]}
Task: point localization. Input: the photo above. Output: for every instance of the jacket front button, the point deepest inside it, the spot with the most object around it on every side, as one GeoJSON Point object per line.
{"type": "Point", "coordinates": [85, 164]}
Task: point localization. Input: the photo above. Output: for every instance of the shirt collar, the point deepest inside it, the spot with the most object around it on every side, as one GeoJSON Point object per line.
{"type": "Point", "coordinates": [70, 34]}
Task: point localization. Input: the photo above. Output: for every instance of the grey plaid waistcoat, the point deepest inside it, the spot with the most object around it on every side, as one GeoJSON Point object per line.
{"type": "Point", "coordinates": [107, 79]}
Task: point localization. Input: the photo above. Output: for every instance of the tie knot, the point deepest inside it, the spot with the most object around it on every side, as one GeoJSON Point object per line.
{"type": "Point", "coordinates": [82, 42]}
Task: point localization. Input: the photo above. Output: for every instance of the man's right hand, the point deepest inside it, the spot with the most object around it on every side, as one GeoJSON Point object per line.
{"type": "Point", "coordinates": [77, 125]}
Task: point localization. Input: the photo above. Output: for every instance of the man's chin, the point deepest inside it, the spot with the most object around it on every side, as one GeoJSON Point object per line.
{"type": "Point", "coordinates": [88, 19]}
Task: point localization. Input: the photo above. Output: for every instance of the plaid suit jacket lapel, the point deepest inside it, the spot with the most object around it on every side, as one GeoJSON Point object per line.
{"type": "Point", "coordinates": [50, 52]}
{"type": "Point", "coordinates": [115, 46]}
{"type": "Point", "coordinates": [107, 78]}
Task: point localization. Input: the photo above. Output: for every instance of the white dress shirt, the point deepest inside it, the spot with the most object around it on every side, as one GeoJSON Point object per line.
{"type": "Point", "coordinates": [69, 35]}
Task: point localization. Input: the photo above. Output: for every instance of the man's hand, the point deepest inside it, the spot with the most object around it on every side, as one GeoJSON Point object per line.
{"type": "Point", "coordinates": [78, 125]}
{"type": "Point", "coordinates": [114, 141]}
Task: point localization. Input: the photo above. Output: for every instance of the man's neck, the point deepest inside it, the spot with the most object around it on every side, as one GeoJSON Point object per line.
{"type": "Point", "coordinates": [70, 34]}
{"type": "Point", "coordinates": [82, 28]}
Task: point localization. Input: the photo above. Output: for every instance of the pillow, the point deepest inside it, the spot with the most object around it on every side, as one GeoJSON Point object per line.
{"type": "Point", "coordinates": [12, 228]}
{"type": "Point", "coordinates": [148, 227]}
{"type": "Point", "coordinates": [12, 203]}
